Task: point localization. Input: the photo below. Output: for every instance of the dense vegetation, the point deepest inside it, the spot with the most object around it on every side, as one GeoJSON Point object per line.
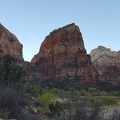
{"type": "Point", "coordinates": [57, 101]}
{"type": "Point", "coordinates": [11, 72]}
{"type": "Point", "coordinates": [52, 99]}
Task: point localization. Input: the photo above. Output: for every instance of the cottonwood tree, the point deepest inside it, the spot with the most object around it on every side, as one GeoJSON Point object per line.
{"type": "Point", "coordinates": [11, 72]}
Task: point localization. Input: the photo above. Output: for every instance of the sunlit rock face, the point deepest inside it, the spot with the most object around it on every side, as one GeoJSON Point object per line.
{"type": "Point", "coordinates": [107, 62]}
{"type": "Point", "coordinates": [105, 55]}
{"type": "Point", "coordinates": [62, 56]}
{"type": "Point", "coordinates": [9, 44]}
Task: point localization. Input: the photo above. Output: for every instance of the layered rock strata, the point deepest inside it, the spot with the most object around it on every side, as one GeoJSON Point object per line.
{"type": "Point", "coordinates": [107, 63]}
{"type": "Point", "coordinates": [62, 56]}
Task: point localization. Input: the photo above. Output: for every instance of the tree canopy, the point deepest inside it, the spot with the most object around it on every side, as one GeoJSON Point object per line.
{"type": "Point", "coordinates": [11, 72]}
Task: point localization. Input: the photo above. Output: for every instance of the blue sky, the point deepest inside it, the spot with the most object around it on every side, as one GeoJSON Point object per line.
{"type": "Point", "coordinates": [32, 20]}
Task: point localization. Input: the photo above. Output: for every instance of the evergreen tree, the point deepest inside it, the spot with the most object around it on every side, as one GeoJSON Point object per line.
{"type": "Point", "coordinates": [11, 72]}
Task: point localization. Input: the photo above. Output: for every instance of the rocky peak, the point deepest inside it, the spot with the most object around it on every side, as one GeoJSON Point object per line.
{"type": "Point", "coordinates": [67, 37]}
{"type": "Point", "coordinates": [103, 54]}
{"type": "Point", "coordinates": [62, 56]}
{"type": "Point", "coordinates": [107, 63]}
{"type": "Point", "coordinates": [67, 28]}
{"type": "Point", "coordinates": [9, 44]}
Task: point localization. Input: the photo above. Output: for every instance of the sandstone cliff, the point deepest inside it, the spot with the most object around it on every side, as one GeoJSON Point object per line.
{"type": "Point", "coordinates": [62, 56]}
{"type": "Point", "coordinates": [107, 62]}
{"type": "Point", "coordinates": [9, 43]}
{"type": "Point", "coordinates": [105, 55]}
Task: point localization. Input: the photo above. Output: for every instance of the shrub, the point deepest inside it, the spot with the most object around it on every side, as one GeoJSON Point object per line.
{"type": "Point", "coordinates": [47, 97]}
{"type": "Point", "coordinates": [4, 113]}
{"type": "Point", "coordinates": [107, 100]}
{"type": "Point", "coordinates": [114, 93]}
{"type": "Point", "coordinates": [10, 72]}
{"type": "Point", "coordinates": [91, 89]}
{"type": "Point", "coordinates": [9, 103]}
{"type": "Point", "coordinates": [36, 89]}
{"type": "Point", "coordinates": [55, 109]}
{"type": "Point", "coordinates": [104, 93]}
{"type": "Point", "coordinates": [86, 93]}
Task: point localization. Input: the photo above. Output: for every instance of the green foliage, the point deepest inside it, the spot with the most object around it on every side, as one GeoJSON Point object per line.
{"type": "Point", "coordinates": [86, 93]}
{"type": "Point", "coordinates": [94, 91]}
{"type": "Point", "coordinates": [50, 83]}
{"type": "Point", "coordinates": [114, 93]}
{"type": "Point", "coordinates": [71, 98]}
{"type": "Point", "coordinates": [56, 108]}
{"type": "Point", "coordinates": [46, 97]}
{"type": "Point", "coordinates": [91, 89]}
{"type": "Point", "coordinates": [106, 86]}
{"type": "Point", "coordinates": [73, 95]}
{"type": "Point", "coordinates": [65, 84]}
{"type": "Point", "coordinates": [107, 100]}
{"type": "Point", "coordinates": [36, 90]}
{"type": "Point", "coordinates": [103, 100]}
{"type": "Point", "coordinates": [10, 101]}
{"type": "Point", "coordinates": [104, 93]}
{"type": "Point", "coordinates": [10, 72]}
{"type": "Point", "coordinates": [4, 113]}
{"type": "Point", "coordinates": [58, 92]}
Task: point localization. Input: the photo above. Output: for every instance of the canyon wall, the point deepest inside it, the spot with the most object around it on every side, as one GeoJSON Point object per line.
{"type": "Point", "coordinates": [107, 63]}
{"type": "Point", "coordinates": [9, 44]}
{"type": "Point", "coordinates": [62, 56]}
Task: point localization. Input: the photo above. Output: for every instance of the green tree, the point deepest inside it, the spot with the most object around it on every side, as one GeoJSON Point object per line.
{"type": "Point", "coordinates": [91, 89]}
{"type": "Point", "coordinates": [55, 109]}
{"type": "Point", "coordinates": [11, 72]}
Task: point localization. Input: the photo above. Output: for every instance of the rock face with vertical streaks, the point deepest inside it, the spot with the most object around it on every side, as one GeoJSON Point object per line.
{"type": "Point", "coordinates": [107, 63]}
{"type": "Point", "coordinates": [62, 56]}
{"type": "Point", "coordinates": [9, 44]}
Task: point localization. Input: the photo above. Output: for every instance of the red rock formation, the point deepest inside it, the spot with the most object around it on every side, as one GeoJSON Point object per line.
{"type": "Point", "coordinates": [9, 43]}
{"type": "Point", "coordinates": [62, 56]}
{"type": "Point", "coordinates": [107, 62]}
